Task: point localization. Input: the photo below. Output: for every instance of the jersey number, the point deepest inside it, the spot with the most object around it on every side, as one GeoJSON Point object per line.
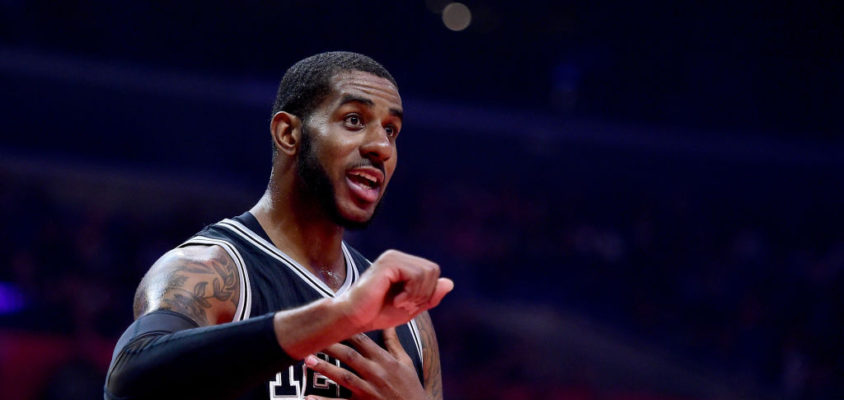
{"type": "Point", "coordinates": [299, 381]}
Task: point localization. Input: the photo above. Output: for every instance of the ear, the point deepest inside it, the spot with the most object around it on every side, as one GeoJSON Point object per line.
{"type": "Point", "coordinates": [286, 129]}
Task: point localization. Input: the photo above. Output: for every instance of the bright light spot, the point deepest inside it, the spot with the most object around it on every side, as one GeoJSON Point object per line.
{"type": "Point", "coordinates": [456, 16]}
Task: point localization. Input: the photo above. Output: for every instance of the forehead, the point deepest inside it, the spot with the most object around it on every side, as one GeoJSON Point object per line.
{"type": "Point", "coordinates": [364, 84]}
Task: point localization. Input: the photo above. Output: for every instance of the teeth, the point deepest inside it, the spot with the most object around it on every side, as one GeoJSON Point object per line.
{"type": "Point", "coordinates": [366, 178]}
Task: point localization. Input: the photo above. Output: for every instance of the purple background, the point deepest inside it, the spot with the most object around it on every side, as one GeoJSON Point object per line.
{"type": "Point", "coordinates": [637, 200]}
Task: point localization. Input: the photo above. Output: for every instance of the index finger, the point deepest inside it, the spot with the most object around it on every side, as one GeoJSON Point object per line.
{"type": "Point", "coordinates": [341, 376]}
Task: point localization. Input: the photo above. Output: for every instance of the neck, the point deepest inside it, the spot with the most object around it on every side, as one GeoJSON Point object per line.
{"type": "Point", "coordinates": [300, 228]}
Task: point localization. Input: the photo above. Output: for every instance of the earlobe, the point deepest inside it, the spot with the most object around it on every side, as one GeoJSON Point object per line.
{"type": "Point", "coordinates": [285, 129]}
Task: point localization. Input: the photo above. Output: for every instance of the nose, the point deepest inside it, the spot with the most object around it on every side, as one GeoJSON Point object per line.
{"type": "Point", "coordinates": [376, 145]}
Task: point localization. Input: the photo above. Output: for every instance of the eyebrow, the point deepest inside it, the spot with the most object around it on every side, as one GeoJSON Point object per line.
{"type": "Point", "coordinates": [350, 98]}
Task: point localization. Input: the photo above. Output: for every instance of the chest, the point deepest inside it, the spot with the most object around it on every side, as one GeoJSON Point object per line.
{"type": "Point", "coordinates": [274, 289]}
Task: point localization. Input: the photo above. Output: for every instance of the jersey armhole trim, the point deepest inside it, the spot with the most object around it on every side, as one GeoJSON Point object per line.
{"type": "Point", "coordinates": [414, 331]}
{"type": "Point", "coordinates": [244, 302]}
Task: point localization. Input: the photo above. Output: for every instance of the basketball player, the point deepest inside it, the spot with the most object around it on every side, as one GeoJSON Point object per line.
{"type": "Point", "coordinates": [272, 304]}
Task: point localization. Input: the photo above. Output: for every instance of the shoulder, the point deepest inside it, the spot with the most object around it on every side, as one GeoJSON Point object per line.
{"type": "Point", "coordinates": [200, 282]}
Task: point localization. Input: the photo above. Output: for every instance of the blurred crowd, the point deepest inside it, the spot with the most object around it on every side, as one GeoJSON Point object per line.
{"type": "Point", "coordinates": [747, 289]}
{"type": "Point", "coordinates": [741, 290]}
{"type": "Point", "coordinates": [619, 190]}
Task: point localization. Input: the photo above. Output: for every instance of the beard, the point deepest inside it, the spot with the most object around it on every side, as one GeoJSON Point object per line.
{"type": "Point", "coordinates": [316, 184]}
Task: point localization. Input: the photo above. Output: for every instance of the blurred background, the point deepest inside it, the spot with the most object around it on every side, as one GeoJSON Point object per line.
{"type": "Point", "coordinates": [637, 200]}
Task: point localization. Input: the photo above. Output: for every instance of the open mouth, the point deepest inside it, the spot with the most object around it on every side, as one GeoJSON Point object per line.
{"type": "Point", "coordinates": [365, 183]}
{"type": "Point", "coordinates": [364, 178]}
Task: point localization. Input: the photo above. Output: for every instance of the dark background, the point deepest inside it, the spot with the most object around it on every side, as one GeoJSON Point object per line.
{"type": "Point", "coordinates": [637, 200]}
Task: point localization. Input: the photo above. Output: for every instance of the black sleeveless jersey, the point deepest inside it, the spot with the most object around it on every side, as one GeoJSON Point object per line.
{"type": "Point", "coordinates": [272, 281]}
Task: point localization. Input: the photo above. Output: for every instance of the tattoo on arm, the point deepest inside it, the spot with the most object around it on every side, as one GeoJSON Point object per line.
{"type": "Point", "coordinates": [431, 371]}
{"type": "Point", "coordinates": [141, 303]}
{"type": "Point", "coordinates": [192, 286]}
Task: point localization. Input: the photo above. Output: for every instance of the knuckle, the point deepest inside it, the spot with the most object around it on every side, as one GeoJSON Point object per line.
{"type": "Point", "coordinates": [319, 366]}
{"type": "Point", "coordinates": [418, 272]}
{"type": "Point", "coordinates": [435, 268]}
{"type": "Point", "coordinates": [360, 339]}
{"type": "Point", "coordinates": [380, 375]}
{"type": "Point", "coordinates": [346, 378]}
{"type": "Point", "coordinates": [352, 356]}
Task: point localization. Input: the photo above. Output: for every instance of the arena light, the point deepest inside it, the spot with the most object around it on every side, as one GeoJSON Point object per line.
{"type": "Point", "coordinates": [456, 16]}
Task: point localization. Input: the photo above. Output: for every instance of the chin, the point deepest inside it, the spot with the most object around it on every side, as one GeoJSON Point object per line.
{"type": "Point", "coordinates": [356, 218]}
{"type": "Point", "coordinates": [354, 224]}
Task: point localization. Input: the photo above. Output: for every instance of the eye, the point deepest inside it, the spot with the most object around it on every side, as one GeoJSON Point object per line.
{"type": "Point", "coordinates": [353, 121]}
{"type": "Point", "coordinates": [391, 130]}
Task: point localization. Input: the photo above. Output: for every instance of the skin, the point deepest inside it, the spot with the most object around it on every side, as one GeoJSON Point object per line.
{"type": "Point", "coordinates": [355, 126]}
{"type": "Point", "coordinates": [374, 365]}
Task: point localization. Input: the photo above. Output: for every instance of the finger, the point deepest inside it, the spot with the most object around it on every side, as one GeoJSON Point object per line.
{"type": "Point", "coordinates": [416, 273]}
{"type": "Point", "coordinates": [413, 276]}
{"type": "Point", "coordinates": [366, 346]}
{"type": "Point", "coordinates": [393, 253]}
{"type": "Point", "coordinates": [341, 376]}
{"type": "Point", "coordinates": [391, 340]}
{"type": "Point", "coordinates": [405, 302]}
{"type": "Point", "coordinates": [430, 274]}
{"type": "Point", "coordinates": [369, 363]}
{"type": "Point", "coordinates": [444, 285]}
{"type": "Point", "coordinates": [350, 357]}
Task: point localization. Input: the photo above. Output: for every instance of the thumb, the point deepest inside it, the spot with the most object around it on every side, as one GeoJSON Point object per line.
{"type": "Point", "coordinates": [391, 341]}
{"type": "Point", "coordinates": [444, 285]}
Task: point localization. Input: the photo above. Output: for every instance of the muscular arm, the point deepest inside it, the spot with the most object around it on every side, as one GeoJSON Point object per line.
{"type": "Point", "coordinates": [184, 343]}
{"type": "Point", "coordinates": [200, 282]}
{"type": "Point", "coordinates": [173, 350]}
{"type": "Point", "coordinates": [431, 371]}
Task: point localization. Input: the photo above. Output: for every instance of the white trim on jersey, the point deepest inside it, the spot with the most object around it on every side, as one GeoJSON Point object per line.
{"type": "Point", "coordinates": [306, 275]}
{"type": "Point", "coordinates": [351, 269]}
{"type": "Point", "coordinates": [414, 331]}
{"type": "Point", "coordinates": [244, 302]}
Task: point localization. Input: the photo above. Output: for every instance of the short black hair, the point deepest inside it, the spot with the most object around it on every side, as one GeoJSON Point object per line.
{"type": "Point", "coordinates": [306, 84]}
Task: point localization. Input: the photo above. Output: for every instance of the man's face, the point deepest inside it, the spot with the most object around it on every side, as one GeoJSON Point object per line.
{"type": "Point", "coordinates": [348, 146]}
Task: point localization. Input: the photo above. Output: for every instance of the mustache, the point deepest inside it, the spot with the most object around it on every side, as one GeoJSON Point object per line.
{"type": "Point", "coordinates": [369, 163]}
